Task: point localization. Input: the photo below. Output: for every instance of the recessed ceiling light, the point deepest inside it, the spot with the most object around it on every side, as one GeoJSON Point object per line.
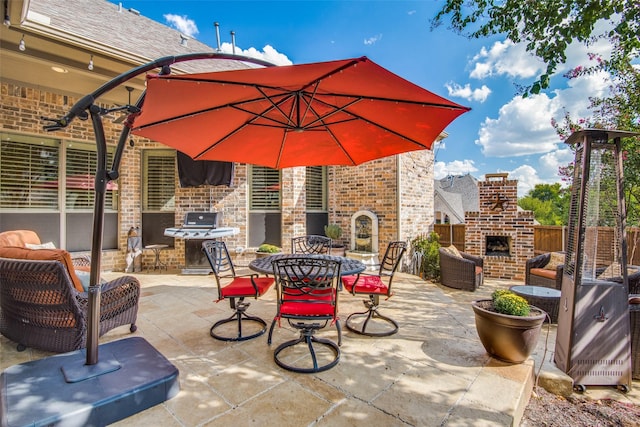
{"type": "Point", "coordinates": [59, 69]}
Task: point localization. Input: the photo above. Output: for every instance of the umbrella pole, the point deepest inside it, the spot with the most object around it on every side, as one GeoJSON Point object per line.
{"type": "Point", "coordinates": [93, 321]}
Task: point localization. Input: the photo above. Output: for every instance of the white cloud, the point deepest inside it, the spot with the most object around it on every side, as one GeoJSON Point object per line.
{"type": "Point", "coordinates": [523, 125]}
{"type": "Point", "coordinates": [373, 40]}
{"type": "Point", "coordinates": [478, 94]}
{"type": "Point", "coordinates": [457, 167]}
{"type": "Point", "coordinates": [550, 162]}
{"type": "Point", "coordinates": [527, 177]}
{"type": "Point", "coordinates": [183, 24]}
{"type": "Point", "coordinates": [506, 58]}
{"type": "Point", "coordinates": [268, 53]}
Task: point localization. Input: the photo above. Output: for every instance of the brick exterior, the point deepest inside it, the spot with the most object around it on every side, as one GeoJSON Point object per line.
{"type": "Point", "coordinates": [398, 189]}
{"type": "Point", "coordinates": [498, 215]}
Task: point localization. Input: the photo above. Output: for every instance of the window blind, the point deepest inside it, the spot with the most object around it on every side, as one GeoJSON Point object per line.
{"type": "Point", "coordinates": [264, 189]}
{"type": "Point", "coordinates": [159, 190]}
{"type": "Point", "coordinates": [28, 173]}
{"type": "Point", "coordinates": [316, 188]}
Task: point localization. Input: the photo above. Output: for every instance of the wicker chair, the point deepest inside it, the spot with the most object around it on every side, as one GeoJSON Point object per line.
{"type": "Point", "coordinates": [41, 308]}
{"type": "Point", "coordinates": [461, 272]}
{"type": "Point", "coordinates": [537, 275]}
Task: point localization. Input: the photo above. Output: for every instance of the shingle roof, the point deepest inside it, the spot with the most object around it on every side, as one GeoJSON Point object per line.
{"type": "Point", "coordinates": [107, 25]}
{"type": "Point", "coordinates": [455, 195]}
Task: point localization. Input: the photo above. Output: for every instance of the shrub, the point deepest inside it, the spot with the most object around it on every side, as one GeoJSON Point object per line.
{"type": "Point", "coordinates": [506, 302]}
{"type": "Point", "coordinates": [271, 249]}
{"type": "Point", "coordinates": [333, 231]}
{"type": "Point", "coordinates": [425, 248]}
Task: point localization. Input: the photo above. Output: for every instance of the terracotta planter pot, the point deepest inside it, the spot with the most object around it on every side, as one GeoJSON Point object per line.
{"type": "Point", "coordinates": [337, 251]}
{"type": "Point", "coordinates": [508, 338]}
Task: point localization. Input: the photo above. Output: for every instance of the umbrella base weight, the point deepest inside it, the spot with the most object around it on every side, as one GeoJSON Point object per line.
{"type": "Point", "coordinates": [133, 377]}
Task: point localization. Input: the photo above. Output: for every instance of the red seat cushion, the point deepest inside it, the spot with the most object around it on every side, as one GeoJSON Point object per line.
{"type": "Point", "coordinates": [242, 287]}
{"type": "Point", "coordinates": [365, 285]}
{"type": "Point", "coordinates": [542, 272]}
{"type": "Point", "coordinates": [296, 305]}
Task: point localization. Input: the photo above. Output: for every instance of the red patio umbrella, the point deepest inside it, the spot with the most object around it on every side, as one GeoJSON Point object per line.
{"type": "Point", "coordinates": [343, 112]}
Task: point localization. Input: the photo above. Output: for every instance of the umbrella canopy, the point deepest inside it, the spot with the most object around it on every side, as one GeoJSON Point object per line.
{"type": "Point", "coordinates": [331, 113]}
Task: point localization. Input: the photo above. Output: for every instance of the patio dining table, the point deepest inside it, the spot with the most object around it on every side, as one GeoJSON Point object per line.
{"type": "Point", "coordinates": [349, 266]}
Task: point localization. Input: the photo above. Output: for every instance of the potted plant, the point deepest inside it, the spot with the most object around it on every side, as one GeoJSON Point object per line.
{"type": "Point", "coordinates": [334, 231]}
{"type": "Point", "coordinates": [266, 249]}
{"type": "Point", "coordinates": [508, 326]}
{"type": "Point", "coordinates": [426, 256]}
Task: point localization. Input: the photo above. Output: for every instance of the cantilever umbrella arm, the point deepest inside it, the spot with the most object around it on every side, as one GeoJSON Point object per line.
{"type": "Point", "coordinates": [85, 108]}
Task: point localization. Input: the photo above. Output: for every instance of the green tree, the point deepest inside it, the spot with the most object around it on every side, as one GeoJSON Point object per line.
{"type": "Point", "coordinates": [549, 203]}
{"type": "Point", "coordinates": [548, 27]}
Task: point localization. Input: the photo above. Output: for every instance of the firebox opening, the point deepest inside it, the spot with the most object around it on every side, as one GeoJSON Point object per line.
{"type": "Point", "coordinates": [498, 246]}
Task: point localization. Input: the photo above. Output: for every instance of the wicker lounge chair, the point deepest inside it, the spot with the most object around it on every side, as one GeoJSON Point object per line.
{"type": "Point", "coordinates": [460, 270]}
{"type": "Point", "coordinates": [41, 306]}
{"type": "Point", "coordinates": [543, 270]}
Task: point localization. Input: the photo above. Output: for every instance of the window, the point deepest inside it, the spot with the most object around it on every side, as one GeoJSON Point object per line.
{"type": "Point", "coordinates": [159, 187]}
{"type": "Point", "coordinates": [47, 185]}
{"type": "Point", "coordinates": [81, 167]}
{"type": "Point", "coordinates": [316, 189]}
{"type": "Point", "coordinates": [29, 172]}
{"type": "Point", "coordinates": [264, 189]}
{"type": "Point", "coordinates": [158, 195]}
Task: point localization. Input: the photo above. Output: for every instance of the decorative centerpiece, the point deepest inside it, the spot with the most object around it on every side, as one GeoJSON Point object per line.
{"type": "Point", "coordinates": [508, 326]}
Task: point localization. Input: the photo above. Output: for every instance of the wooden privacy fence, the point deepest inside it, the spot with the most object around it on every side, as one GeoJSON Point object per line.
{"type": "Point", "coordinates": [546, 238]}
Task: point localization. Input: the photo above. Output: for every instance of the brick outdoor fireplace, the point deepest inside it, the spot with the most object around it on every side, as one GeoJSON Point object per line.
{"type": "Point", "coordinates": [498, 232]}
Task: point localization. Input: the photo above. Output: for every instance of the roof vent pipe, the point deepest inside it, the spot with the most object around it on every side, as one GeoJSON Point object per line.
{"type": "Point", "coordinates": [217, 25]}
{"type": "Point", "coordinates": [183, 40]}
{"type": "Point", "coordinates": [120, 7]}
{"type": "Point", "coordinates": [233, 42]}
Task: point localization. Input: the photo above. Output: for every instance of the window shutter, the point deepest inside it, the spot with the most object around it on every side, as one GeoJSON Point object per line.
{"type": "Point", "coordinates": [160, 181]}
{"type": "Point", "coordinates": [316, 188]}
{"type": "Point", "coordinates": [80, 179]}
{"type": "Point", "coordinates": [29, 173]}
{"type": "Point", "coordinates": [264, 189]}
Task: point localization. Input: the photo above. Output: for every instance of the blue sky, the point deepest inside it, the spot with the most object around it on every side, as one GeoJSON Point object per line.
{"type": "Point", "coordinates": [502, 133]}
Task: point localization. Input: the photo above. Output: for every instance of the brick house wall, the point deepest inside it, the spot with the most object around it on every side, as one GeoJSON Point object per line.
{"type": "Point", "coordinates": [398, 189]}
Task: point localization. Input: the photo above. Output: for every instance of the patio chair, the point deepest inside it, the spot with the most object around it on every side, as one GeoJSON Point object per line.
{"type": "Point", "coordinates": [375, 286]}
{"type": "Point", "coordinates": [307, 296]}
{"type": "Point", "coordinates": [460, 270]}
{"type": "Point", "coordinates": [310, 244]}
{"type": "Point", "coordinates": [545, 270]}
{"type": "Point", "coordinates": [43, 304]}
{"type": "Point", "coordinates": [240, 287]}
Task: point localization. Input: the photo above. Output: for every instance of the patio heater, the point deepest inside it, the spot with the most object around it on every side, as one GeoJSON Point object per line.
{"type": "Point", "coordinates": [593, 338]}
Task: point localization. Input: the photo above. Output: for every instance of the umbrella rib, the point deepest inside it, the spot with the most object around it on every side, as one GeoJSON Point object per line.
{"type": "Point", "coordinates": [357, 117]}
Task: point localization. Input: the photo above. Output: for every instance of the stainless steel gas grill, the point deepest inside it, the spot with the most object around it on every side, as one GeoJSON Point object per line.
{"type": "Point", "coordinates": [198, 226]}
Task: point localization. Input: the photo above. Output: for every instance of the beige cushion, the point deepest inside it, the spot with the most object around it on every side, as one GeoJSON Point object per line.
{"type": "Point", "coordinates": [44, 255]}
{"type": "Point", "coordinates": [555, 260]}
{"type": "Point", "coordinates": [614, 270]}
{"type": "Point", "coordinates": [453, 251]}
{"type": "Point", "coordinates": [48, 245]}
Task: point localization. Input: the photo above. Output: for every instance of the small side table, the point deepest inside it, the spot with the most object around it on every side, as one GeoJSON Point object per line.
{"type": "Point", "coordinates": [547, 299]}
{"type": "Point", "coordinates": [157, 265]}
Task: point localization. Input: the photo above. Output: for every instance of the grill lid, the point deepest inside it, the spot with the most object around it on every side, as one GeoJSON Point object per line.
{"type": "Point", "coordinates": [201, 220]}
